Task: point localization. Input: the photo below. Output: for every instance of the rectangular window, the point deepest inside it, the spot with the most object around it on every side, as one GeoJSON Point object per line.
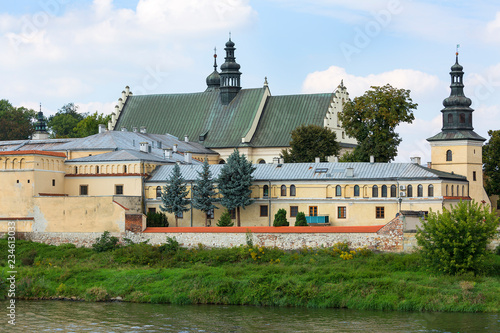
{"type": "Point", "coordinates": [210, 214]}
{"type": "Point", "coordinates": [341, 212]}
{"type": "Point", "coordinates": [474, 175]}
{"type": "Point", "coordinates": [295, 209]}
{"type": "Point", "coordinates": [379, 212]}
{"type": "Point", "coordinates": [152, 210]}
{"type": "Point", "coordinates": [264, 211]}
{"type": "Point", "coordinates": [118, 189]}
{"type": "Point", "coordinates": [313, 210]}
{"type": "Point", "coordinates": [53, 182]}
{"type": "Point", "coordinates": [84, 190]}
{"type": "Point", "coordinates": [233, 214]}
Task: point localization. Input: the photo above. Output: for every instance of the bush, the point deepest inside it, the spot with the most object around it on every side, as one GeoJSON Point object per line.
{"type": "Point", "coordinates": [171, 246]}
{"type": "Point", "coordinates": [280, 219]}
{"type": "Point", "coordinates": [105, 242]}
{"type": "Point", "coordinates": [156, 219]}
{"type": "Point", "coordinates": [300, 220]}
{"type": "Point", "coordinates": [225, 220]}
{"type": "Point", "coordinates": [455, 240]}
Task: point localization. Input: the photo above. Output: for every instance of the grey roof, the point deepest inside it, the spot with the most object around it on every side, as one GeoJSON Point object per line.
{"type": "Point", "coordinates": [446, 135]}
{"type": "Point", "coordinates": [21, 145]}
{"type": "Point", "coordinates": [131, 155]}
{"type": "Point", "coordinates": [111, 140]}
{"type": "Point", "coordinates": [329, 171]}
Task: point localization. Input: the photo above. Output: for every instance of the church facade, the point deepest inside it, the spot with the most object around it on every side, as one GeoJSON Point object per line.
{"type": "Point", "coordinates": [225, 116]}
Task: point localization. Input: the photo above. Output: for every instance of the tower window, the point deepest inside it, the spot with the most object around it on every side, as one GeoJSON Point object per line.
{"type": "Point", "coordinates": [462, 118]}
{"type": "Point", "coordinates": [450, 118]}
{"type": "Point", "coordinates": [448, 155]}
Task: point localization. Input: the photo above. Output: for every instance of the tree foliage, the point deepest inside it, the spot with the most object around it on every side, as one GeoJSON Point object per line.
{"type": "Point", "coordinates": [234, 183]}
{"type": "Point", "coordinates": [174, 195]}
{"type": "Point", "coordinates": [225, 220]}
{"type": "Point", "coordinates": [63, 124]}
{"type": "Point", "coordinates": [491, 163]}
{"type": "Point", "coordinates": [300, 220]}
{"type": "Point", "coordinates": [16, 123]}
{"type": "Point", "coordinates": [90, 124]}
{"type": "Point", "coordinates": [455, 240]}
{"type": "Point", "coordinates": [204, 195]}
{"type": "Point", "coordinates": [280, 219]}
{"type": "Point", "coordinates": [309, 142]}
{"type": "Point", "coordinates": [372, 120]}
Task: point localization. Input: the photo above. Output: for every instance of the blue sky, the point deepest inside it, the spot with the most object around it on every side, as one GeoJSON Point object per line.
{"type": "Point", "coordinates": [86, 52]}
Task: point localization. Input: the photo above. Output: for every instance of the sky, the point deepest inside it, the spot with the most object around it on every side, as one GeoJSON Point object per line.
{"type": "Point", "coordinates": [55, 52]}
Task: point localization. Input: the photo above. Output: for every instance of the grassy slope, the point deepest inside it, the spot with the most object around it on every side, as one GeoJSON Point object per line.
{"type": "Point", "coordinates": [309, 278]}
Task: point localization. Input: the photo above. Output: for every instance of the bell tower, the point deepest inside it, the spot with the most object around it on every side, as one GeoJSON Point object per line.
{"type": "Point", "coordinates": [457, 148]}
{"type": "Point", "coordinates": [230, 75]}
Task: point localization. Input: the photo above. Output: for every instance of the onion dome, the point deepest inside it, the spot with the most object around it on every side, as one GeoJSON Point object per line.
{"type": "Point", "coordinates": [213, 80]}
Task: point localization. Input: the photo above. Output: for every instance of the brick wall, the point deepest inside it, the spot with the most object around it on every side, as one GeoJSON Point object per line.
{"type": "Point", "coordinates": [135, 222]}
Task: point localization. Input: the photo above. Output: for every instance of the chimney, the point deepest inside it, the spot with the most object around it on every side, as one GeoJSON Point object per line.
{"type": "Point", "coordinates": [123, 129]}
{"type": "Point", "coordinates": [349, 172]}
{"type": "Point", "coordinates": [372, 159]}
{"type": "Point", "coordinates": [335, 159]}
{"type": "Point", "coordinates": [415, 159]}
{"type": "Point", "coordinates": [174, 148]}
{"type": "Point", "coordinates": [316, 160]}
{"type": "Point", "coordinates": [102, 128]}
{"type": "Point", "coordinates": [167, 153]}
{"type": "Point", "coordinates": [429, 165]}
{"type": "Point", "coordinates": [281, 160]}
{"type": "Point", "coordinates": [186, 139]}
{"type": "Point", "coordinates": [144, 147]}
{"type": "Point", "coordinates": [134, 129]}
{"type": "Point", "coordinates": [143, 129]}
{"type": "Point", "coordinates": [276, 160]}
{"type": "Point", "coordinates": [187, 157]}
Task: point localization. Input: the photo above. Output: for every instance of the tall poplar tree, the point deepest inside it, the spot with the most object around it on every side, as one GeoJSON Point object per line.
{"type": "Point", "coordinates": [234, 183]}
{"type": "Point", "coordinates": [174, 194]}
{"type": "Point", "coordinates": [204, 191]}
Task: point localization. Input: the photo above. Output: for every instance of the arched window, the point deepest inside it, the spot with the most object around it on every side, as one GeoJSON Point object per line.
{"type": "Point", "coordinates": [283, 190]}
{"type": "Point", "coordinates": [97, 169]}
{"type": "Point", "coordinates": [356, 190]}
{"type": "Point", "coordinates": [452, 191]}
{"type": "Point", "coordinates": [394, 191]}
{"type": "Point", "coordinates": [222, 162]}
{"type": "Point", "coordinates": [265, 191]}
{"type": "Point", "coordinates": [384, 191]}
{"type": "Point", "coordinates": [76, 170]}
{"type": "Point", "coordinates": [124, 169]}
{"type": "Point", "coordinates": [450, 118]}
{"type": "Point", "coordinates": [262, 162]}
{"type": "Point", "coordinates": [375, 191]}
{"type": "Point", "coordinates": [420, 191]}
{"type": "Point", "coordinates": [448, 155]}
{"type": "Point", "coordinates": [446, 190]}
{"type": "Point", "coordinates": [430, 191]}
{"type": "Point", "coordinates": [462, 118]}
{"type": "Point", "coordinates": [158, 192]}
{"type": "Point", "coordinates": [338, 191]}
{"type": "Point", "coordinates": [409, 191]}
{"type": "Point", "coordinates": [292, 190]}
{"type": "Point", "coordinates": [463, 191]}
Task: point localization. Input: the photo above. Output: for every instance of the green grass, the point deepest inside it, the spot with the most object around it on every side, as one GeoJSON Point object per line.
{"type": "Point", "coordinates": [249, 275]}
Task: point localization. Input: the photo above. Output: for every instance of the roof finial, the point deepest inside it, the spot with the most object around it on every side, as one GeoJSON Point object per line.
{"type": "Point", "coordinates": [265, 81]}
{"type": "Point", "coordinates": [458, 45]}
{"type": "Point", "coordinates": [229, 35]}
{"type": "Point", "coordinates": [40, 106]}
{"type": "Point", "coordinates": [215, 58]}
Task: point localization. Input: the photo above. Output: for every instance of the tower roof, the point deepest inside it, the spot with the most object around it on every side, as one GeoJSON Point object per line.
{"type": "Point", "coordinates": [457, 113]}
{"type": "Point", "coordinates": [213, 80]}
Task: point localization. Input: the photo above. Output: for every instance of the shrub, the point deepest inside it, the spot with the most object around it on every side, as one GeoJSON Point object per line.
{"type": "Point", "coordinates": [29, 259]}
{"type": "Point", "coordinates": [156, 219]}
{"type": "Point", "coordinates": [455, 240]}
{"type": "Point", "coordinates": [171, 246]}
{"type": "Point", "coordinates": [105, 242]}
{"type": "Point", "coordinates": [280, 219]}
{"type": "Point", "coordinates": [225, 220]}
{"type": "Point", "coordinates": [300, 220]}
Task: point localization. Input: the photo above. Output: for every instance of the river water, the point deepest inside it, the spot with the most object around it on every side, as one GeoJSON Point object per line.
{"type": "Point", "coordinates": [68, 316]}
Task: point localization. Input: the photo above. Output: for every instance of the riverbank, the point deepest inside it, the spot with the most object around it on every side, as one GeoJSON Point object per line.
{"type": "Point", "coordinates": [318, 278]}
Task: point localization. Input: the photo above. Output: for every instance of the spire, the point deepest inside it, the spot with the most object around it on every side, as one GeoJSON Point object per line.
{"type": "Point", "coordinates": [213, 80]}
{"type": "Point", "coordinates": [40, 127]}
{"type": "Point", "coordinates": [230, 74]}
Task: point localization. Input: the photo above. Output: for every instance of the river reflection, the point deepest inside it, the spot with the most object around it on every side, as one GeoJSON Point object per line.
{"type": "Point", "coordinates": [66, 316]}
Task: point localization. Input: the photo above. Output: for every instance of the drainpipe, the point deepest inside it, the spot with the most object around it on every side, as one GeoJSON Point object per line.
{"type": "Point", "coordinates": [270, 195]}
{"type": "Point", "coordinates": [191, 202]}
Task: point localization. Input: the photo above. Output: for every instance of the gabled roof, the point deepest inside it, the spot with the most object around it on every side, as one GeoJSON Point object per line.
{"type": "Point", "coordinates": [282, 114]}
{"type": "Point", "coordinates": [130, 155]}
{"type": "Point", "coordinates": [321, 171]}
{"type": "Point", "coordinates": [193, 115]}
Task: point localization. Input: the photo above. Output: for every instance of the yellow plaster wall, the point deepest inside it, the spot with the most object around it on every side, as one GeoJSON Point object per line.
{"type": "Point", "coordinates": [104, 185]}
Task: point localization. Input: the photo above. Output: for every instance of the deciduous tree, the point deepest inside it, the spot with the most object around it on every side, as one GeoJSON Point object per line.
{"type": "Point", "coordinates": [90, 124]}
{"type": "Point", "coordinates": [15, 123]}
{"type": "Point", "coordinates": [174, 195]}
{"type": "Point", "coordinates": [309, 142]}
{"type": "Point", "coordinates": [234, 183]}
{"type": "Point", "coordinates": [491, 163]}
{"type": "Point", "coordinates": [372, 119]}
{"type": "Point", "coordinates": [204, 195]}
{"type": "Point", "coordinates": [63, 123]}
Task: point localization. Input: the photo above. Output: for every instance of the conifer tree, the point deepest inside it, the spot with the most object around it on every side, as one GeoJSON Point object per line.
{"type": "Point", "coordinates": [234, 183]}
{"type": "Point", "coordinates": [204, 191]}
{"type": "Point", "coordinates": [174, 194]}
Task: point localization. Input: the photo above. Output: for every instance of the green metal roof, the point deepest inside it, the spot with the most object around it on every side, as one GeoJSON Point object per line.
{"type": "Point", "coordinates": [194, 114]}
{"type": "Point", "coordinates": [282, 114]}
{"type": "Point", "coordinates": [446, 135]}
